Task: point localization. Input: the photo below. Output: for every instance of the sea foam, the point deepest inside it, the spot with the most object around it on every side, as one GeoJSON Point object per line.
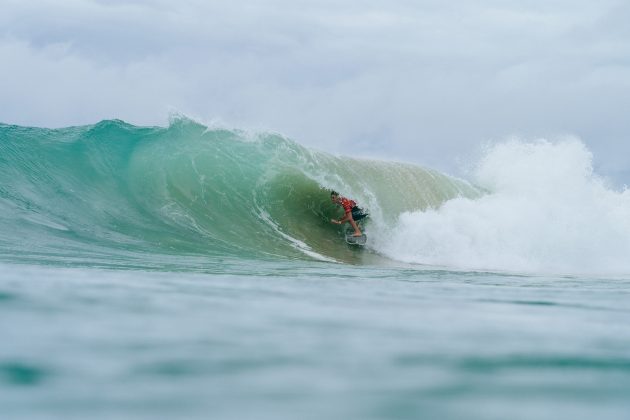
{"type": "Point", "coordinates": [545, 211]}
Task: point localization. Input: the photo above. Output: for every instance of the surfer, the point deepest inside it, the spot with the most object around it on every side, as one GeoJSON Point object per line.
{"type": "Point", "coordinates": [352, 212]}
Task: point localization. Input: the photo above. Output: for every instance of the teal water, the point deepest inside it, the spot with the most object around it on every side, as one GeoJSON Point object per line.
{"type": "Point", "coordinates": [190, 272]}
{"type": "Point", "coordinates": [116, 191]}
{"type": "Point", "coordinates": [270, 340]}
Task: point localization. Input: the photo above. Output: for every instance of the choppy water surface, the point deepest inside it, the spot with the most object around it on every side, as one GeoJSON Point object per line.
{"type": "Point", "coordinates": [268, 340]}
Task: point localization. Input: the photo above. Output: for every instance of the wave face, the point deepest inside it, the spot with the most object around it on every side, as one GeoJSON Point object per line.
{"type": "Point", "coordinates": [113, 193]}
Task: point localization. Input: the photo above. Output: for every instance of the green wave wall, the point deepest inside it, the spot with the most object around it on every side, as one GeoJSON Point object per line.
{"type": "Point", "coordinates": [117, 192]}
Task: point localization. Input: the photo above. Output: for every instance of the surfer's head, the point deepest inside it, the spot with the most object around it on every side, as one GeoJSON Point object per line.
{"type": "Point", "coordinates": [334, 195]}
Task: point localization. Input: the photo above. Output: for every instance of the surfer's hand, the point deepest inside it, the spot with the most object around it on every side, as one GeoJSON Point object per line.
{"type": "Point", "coordinates": [335, 221]}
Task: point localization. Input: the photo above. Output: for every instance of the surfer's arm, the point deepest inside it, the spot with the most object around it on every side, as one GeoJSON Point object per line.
{"type": "Point", "coordinates": [344, 219]}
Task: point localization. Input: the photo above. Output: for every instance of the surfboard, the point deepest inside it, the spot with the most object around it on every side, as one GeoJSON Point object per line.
{"type": "Point", "coordinates": [355, 240]}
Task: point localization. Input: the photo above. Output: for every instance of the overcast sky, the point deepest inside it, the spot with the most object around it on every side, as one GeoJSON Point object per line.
{"type": "Point", "coordinates": [426, 81]}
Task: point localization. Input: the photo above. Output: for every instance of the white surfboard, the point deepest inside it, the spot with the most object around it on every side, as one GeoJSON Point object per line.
{"type": "Point", "coordinates": [355, 240]}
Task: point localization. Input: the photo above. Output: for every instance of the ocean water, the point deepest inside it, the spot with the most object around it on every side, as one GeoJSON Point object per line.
{"type": "Point", "coordinates": [191, 272]}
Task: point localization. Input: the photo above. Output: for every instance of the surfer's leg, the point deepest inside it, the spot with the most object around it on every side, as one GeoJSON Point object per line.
{"type": "Point", "coordinates": [357, 231]}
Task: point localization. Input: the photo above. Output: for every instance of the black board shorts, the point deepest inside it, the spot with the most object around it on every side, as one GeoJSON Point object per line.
{"type": "Point", "coordinates": [358, 213]}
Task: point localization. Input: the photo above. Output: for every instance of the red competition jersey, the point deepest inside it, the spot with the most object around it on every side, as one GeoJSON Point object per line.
{"type": "Point", "coordinates": [347, 204]}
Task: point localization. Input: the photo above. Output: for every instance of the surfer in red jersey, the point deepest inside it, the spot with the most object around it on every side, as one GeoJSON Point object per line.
{"type": "Point", "coordinates": [352, 212]}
